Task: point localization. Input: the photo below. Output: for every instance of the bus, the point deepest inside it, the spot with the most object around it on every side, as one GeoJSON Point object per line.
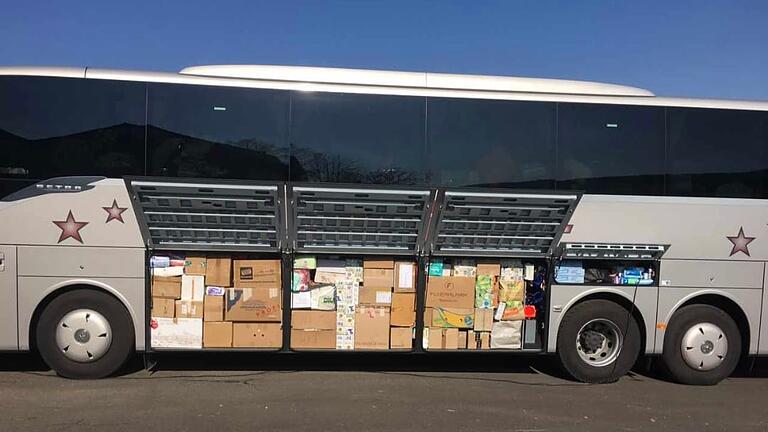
{"type": "Point", "coordinates": [280, 208]}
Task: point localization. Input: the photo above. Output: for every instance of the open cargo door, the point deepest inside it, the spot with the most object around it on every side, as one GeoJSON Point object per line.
{"type": "Point", "coordinates": [210, 215]}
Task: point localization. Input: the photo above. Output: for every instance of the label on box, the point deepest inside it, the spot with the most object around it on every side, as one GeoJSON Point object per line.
{"type": "Point", "coordinates": [301, 300]}
{"type": "Point", "coordinates": [405, 276]}
{"type": "Point", "coordinates": [215, 291]}
{"type": "Point", "coordinates": [323, 297]}
{"type": "Point", "coordinates": [384, 297]}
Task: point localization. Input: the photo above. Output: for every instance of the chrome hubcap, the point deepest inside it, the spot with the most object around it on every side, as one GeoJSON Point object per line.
{"type": "Point", "coordinates": [704, 346]}
{"type": "Point", "coordinates": [599, 342]}
{"type": "Point", "coordinates": [83, 335]}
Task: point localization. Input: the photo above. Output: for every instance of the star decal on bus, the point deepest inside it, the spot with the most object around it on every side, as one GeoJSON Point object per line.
{"type": "Point", "coordinates": [115, 212]}
{"type": "Point", "coordinates": [740, 242]}
{"type": "Point", "coordinates": [70, 228]}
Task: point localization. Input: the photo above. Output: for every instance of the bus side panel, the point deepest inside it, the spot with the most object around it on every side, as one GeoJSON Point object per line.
{"type": "Point", "coordinates": [763, 343]}
{"type": "Point", "coordinates": [43, 270]}
{"type": "Point", "coordinates": [8, 328]}
{"type": "Point", "coordinates": [563, 297]}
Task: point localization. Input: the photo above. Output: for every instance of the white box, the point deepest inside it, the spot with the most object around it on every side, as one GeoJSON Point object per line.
{"type": "Point", "coordinates": [192, 287]}
{"type": "Point", "coordinates": [301, 300]}
{"type": "Point", "coordinates": [176, 333]}
{"type": "Point", "coordinates": [168, 271]}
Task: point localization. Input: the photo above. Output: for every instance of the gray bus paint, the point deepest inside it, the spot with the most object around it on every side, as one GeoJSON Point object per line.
{"type": "Point", "coordinates": [9, 339]}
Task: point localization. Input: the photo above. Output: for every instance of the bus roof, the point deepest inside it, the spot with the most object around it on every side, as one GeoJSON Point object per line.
{"type": "Point", "coordinates": [366, 81]}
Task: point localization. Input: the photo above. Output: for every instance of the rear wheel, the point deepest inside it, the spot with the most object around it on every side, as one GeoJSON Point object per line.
{"type": "Point", "coordinates": [702, 345]}
{"type": "Point", "coordinates": [85, 334]}
{"type": "Point", "coordinates": [598, 341]}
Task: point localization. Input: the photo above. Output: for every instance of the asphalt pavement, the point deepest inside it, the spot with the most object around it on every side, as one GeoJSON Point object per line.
{"type": "Point", "coordinates": [364, 392]}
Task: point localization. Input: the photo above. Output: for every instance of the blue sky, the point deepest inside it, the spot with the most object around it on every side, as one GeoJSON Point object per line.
{"type": "Point", "coordinates": [677, 48]}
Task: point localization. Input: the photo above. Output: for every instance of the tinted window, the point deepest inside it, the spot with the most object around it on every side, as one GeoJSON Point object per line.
{"type": "Point", "coordinates": [719, 153]}
{"type": "Point", "coordinates": [491, 143]}
{"type": "Point", "coordinates": [53, 127]}
{"type": "Point", "coordinates": [217, 132]}
{"type": "Point", "coordinates": [610, 149]}
{"type": "Point", "coordinates": [357, 138]}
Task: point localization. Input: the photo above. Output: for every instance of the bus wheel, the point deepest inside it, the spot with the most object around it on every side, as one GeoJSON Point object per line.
{"type": "Point", "coordinates": [702, 345]}
{"type": "Point", "coordinates": [598, 341]}
{"type": "Point", "coordinates": [85, 334]}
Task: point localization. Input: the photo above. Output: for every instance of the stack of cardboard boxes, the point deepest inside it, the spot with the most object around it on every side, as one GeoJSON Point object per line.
{"type": "Point", "coordinates": [476, 305]}
{"type": "Point", "coordinates": [218, 303]}
{"type": "Point", "coordinates": [353, 304]}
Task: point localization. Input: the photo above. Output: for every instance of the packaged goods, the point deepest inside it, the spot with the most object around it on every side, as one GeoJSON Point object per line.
{"type": "Point", "coordinates": [261, 273]}
{"type": "Point", "coordinates": [192, 287]}
{"type": "Point", "coordinates": [195, 265]}
{"type": "Point", "coordinates": [453, 291]}
{"type": "Point", "coordinates": [253, 304]}
{"type": "Point", "coordinates": [447, 270]}
{"type": "Point", "coordinates": [215, 291]}
{"type": "Point", "coordinates": [452, 317]}
{"type": "Point", "coordinates": [189, 309]}
{"type": "Point", "coordinates": [166, 287]}
{"type": "Point", "coordinates": [257, 335]}
{"type": "Point", "coordinates": [167, 271]}
{"type": "Point", "coordinates": [184, 333]}
{"type": "Point", "coordinates": [330, 271]}
{"type": "Point", "coordinates": [511, 291]}
{"type": "Point", "coordinates": [405, 276]}
{"type": "Point", "coordinates": [485, 340]}
{"type": "Point", "coordinates": [513, 311]}
{"type": "Point", "coordinates": [346, 305]}
{"type": "Point", "coordinates": [354, 270]}
{"type": "Point", "coordinates": [529, 311]}
{"type": "Point", "coordinates": [156, 261]}
{"type": "Point", "coordinates": [378, 278]}
{"type": "Point", "coordinates": [403, 312]}
{"type": "Point", "coordinates": [483, 319]}
{"type": "Point", "coordinates": [217, 334]}
{"type": "Point", "coordinates": [374, 296]}
{"type": "Point", "coordinates": [484, 291]}
{"type": "Point", "coordinates": [213, 308]}
{"type": "Point", "coordinates": [436, 268]}
{"type": "Point", "coordinates": [506, 334]}
{"type": "Point", "coordinates": [300, 281]}
{"type": "Point", "coordinates": [326, 277]}
{"type": "Point", "coordinates": [401, 337]}
{"type": "Point", "coordinates": [305, 262]}
{"type": "Point", "coordinates": [462, 339]}
{"type": "Point", "coordinates": [163, 307]}
{"type": "Point", "coordinates": [314, 320]}
{"type": "Point", "coordinates": [425, 338]}
{"type": "Point", "coordinates": [488, 269]}
{"type": "Point", "coordinates": [301, 300]}
{"type": "Point", "coordinates": [323, 297]}
{"type": "Point", "coordinates": [313, 339]}
{"type": "Point", "coordinates": [218, 271]}
{"type": "Point", "coordinates": [378, 263]}
{"type": "Point", "coordinates": [512, 269]}
{"type": "Point", "coordinates": [569, 271]}
{"type": "Point", "coordinates": [451, 339]}
{"type": "Point", "coordinates": [372, 328]}
{"type": "Point", "coordinates": [530, 272]}
{"type": "Point", "coordinates": [465, 268]}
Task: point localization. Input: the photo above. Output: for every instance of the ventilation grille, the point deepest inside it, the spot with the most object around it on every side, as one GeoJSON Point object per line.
{"type": "Point", "coordinates": [616, 251]}
{"type": "Point", "coordinates": [500, 224]}
{"type": "Point", "coordinates": [352, 220]}
{"type": "Point", "coordinates": [210, 216]}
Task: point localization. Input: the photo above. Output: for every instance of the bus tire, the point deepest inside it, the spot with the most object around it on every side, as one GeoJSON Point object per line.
{"type": "Point", "coordinates": [702, 345]}
{"type": "Point", "coordinates": [85, 334]}
{"type": "Point", "coordinates": [598, 341]}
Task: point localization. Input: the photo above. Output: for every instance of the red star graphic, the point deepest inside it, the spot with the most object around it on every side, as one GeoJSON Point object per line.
{"type": "Point", "coordinates": [740, 242]}
{"type": "Point", "coordinates": [115, 212]}
{"type": "Point", "coordinates": [70, 228]}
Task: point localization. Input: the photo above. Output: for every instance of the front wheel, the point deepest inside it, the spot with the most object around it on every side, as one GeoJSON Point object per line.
{"type": "Point", "coordinates": [598, 341]}
{"type": "Point", "coordinates": [85, 334]}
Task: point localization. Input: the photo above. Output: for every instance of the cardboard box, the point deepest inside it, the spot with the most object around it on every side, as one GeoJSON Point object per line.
{"type": "Point", "coordinates": [329, 277]}
{"type": "Point", "coordinates": [217, 334]}
{"type": "Point", "coordinates": [485, 340]}
{"type": "Point", "coordinates": [372, 328]}
{"type": "Point", "coordinates": [453, 291]}
{"type": "Point", "coordinates": [403, 313]}
{"type": "Point", "coordinates": [452, 317]}
{"type": "Point", "coordinates": [257, 273]}
{"type": "Point", "coordinates": [174, 271]}
{"type": "Point", "coordinates": [192, 287]}
{"type": "Point", "coordinates": [374, 296]}
{"type": "Point", "coordinates": [401, 337]}
{"type": "Point", "coordinates": [186, 333]}
{"type": "Point", "coordinates": [189, 309]}
{"type": "Point", "coordinates": [488, 269]}
{"type": "Point", "coordinates": [195, 265]}
{"type": "Point", "coordinates": [465, 268]}
{"type": "Point", "coordinates": [462, 339]}
{"type": "Point", "coordinates": [483, 319]}
{"type": "Point", "coordinates": [507, 334]}
{"type": "Point", "coordinates": [313, 339]}
{"type": "Point", "coordinates": [427, 316]}
{"type": "Point", "coordinates": [378, 278]}
{"type": "Point", "coordinates": [434, 338]}
{"type": "Point", "coordinates": [405, 276]}
{"type": "Point", "coordinates": [451, 339]}
{"type": "Point", "coordinates": [484, 291]}
{"type": "Point", "coordinates": [213, 308]}
{"type": "Point", "coordinates": [313, 320]}
{"type": "Point", "coordinates": [257, 335]}
{"type": "Point", "coordinates": [166, 287]}
{"type": "Point", "coordinates": [378, 263]}
{"type": "Point", "coordinates": [471, 340]}
{"type": "Point", "coordinates": [218, 271]}
{"type": "Point", "coordinates": [253, 304]}
{"type": "Point", "coordinates": [163, 307]}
